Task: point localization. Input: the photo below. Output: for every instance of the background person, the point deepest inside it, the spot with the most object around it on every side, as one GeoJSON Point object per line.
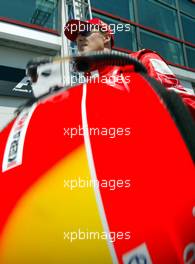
{"type": "Point", "coordinates": [95, 35]}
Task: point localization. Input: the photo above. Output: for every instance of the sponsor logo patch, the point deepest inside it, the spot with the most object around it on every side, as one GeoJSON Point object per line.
{"type": "Point", "coordinates": [189, 254]}
{"type": "Point", "coordinates": [15, 143]}
{"type": "Point", "coordinates": [138, 255]}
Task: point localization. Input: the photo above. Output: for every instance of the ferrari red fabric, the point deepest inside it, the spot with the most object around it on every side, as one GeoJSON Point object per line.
{"type": "Point", "coordinates": [135, 142]}
{"type": "Point", "coordinates": [149, 135]}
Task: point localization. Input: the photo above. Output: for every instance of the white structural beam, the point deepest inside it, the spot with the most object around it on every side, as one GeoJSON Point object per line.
{"type": "Point", "coordinates": [72, 9]}
{"type": "Point", "coordinates": [65, 45]}
{"type": "Point", "coordinates": [29, 36]}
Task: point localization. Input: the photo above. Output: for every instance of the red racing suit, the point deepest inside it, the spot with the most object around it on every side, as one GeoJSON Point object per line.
{"type": "Point", "coordinates": [156, 67]}
{"type": "Point", "coordinates": [159, 70]}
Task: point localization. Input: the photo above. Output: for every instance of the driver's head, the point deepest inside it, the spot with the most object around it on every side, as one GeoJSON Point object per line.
{"type": "Point", "coordinates": [90, 35]}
